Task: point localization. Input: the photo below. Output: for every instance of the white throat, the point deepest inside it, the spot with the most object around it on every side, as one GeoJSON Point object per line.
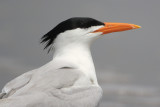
{"type": "Point", "coordinates": [79, 57]}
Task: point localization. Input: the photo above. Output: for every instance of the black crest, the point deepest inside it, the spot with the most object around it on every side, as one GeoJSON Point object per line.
{"type": "Point", "coordinates": [72, 23]}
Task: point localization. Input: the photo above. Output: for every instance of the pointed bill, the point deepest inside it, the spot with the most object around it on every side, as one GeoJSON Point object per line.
{"type": "Point", "coordinates": [116, 27]}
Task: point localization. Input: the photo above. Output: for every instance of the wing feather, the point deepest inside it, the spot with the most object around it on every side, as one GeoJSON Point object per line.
{"type": "Point", "coordinates": [51, 88]}
{"type": "Point", "coordinates": [15, 84]}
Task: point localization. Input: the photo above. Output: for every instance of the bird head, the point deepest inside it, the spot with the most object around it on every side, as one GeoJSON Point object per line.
{"type": "Point", "coordinates": [81, 30]}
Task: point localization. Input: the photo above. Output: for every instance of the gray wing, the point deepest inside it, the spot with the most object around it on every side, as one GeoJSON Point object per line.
{"type": "Point", "coordinates": [57, 88]}
{"type": "Point", "coordinates": [15, 84]}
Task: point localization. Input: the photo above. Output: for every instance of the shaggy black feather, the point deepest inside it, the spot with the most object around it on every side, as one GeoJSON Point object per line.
{"type": "Point", "coordinates": [72, 23]}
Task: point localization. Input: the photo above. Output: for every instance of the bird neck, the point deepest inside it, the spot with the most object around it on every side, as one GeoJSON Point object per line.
{"type": "Point", "coordinates": [77, 56]}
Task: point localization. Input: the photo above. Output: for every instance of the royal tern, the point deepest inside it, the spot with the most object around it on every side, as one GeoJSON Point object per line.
{"type": "Point", "coordinates": [69, 80]}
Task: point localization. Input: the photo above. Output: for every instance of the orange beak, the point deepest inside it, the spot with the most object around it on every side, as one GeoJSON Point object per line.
{"type": "Point", "coordinates": [116, 27]}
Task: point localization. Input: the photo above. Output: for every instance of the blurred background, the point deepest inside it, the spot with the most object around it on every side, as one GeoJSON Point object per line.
{"type": "Point", "coordinates": [127, 63]}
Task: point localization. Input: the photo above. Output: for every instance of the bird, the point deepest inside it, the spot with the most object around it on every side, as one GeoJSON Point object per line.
{"type": "Point", "coordinates": [69, 79]}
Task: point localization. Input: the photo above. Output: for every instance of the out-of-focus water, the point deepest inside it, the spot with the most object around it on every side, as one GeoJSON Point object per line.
{"type": "Point", "coordinates": [130, 96]}
{"type": "Point", "coordinates": [121, 91]}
